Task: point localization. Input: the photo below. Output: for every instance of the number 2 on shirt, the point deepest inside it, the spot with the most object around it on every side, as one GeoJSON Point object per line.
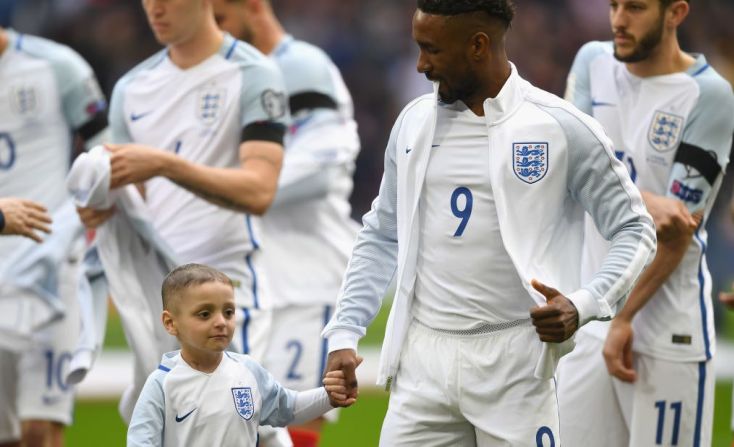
{"type": "Point", "coordinates": [465, 213]}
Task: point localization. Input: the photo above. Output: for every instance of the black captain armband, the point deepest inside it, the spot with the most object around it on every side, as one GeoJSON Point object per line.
{"type": "Point", "coordinates": [264, 131]}
{"type": "Point", "coordinates": [705, 162]}
{"type": "Point", "coordinates": [310, 100]}
{"type": "Point", "coordinates": [94, 126]}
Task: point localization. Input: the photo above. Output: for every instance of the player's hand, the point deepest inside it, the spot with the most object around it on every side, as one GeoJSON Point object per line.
{"type": "Point", "coordinates": [618, 350]}
{"type": "Point", "coordinates": [336, 387]}
{"type": "Point", "coordinates": [558, 320]}
{"type": "Point", "coordinates": [92, 218]}
{"type": "Point", "coordinates": [346, 361]}
{"type": "Point", "coordinates": [672, 218]}
{"type": "Point", "coordinates": [24, 218]}
{"type": "Point", "coordinates": [134, 163]}
{"type": "Point", "coordinates": [727, 298]}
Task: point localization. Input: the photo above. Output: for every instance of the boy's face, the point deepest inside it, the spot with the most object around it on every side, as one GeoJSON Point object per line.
{"type": "Point", "coordinates": [202, 318]}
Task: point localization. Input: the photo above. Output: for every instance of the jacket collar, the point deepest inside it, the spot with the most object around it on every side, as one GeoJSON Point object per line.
{"type": "Point", "coordinates": [507, 101]}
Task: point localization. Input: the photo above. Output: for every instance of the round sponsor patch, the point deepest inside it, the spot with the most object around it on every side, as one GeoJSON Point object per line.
{"type": "Point", "coordinates": [274, 103]}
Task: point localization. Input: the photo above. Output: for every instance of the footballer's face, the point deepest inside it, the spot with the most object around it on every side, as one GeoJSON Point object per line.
{"type": "Point", "coordinates": [202, 318]}
{"type": "Point", "coordinates": [444, 56]}
{"type": "Point", "coordinates": [233, 17]}
{"type": "Point", "coordinates": [638, 28]}
{"type": "Point", "coordinates": [175, 21]}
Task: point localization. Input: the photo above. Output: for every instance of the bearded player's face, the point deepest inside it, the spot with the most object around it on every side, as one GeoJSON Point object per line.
{"type": "Point", "coordinates": [637, 26]}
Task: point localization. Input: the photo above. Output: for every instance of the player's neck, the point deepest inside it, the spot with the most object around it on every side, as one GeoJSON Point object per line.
{"type": "Point", "coordinates": [498, 74]}
{"type": "Point", "coordinates": [200, 47]}
{"type": "Point", "coordinates": [268, 34]}
{"type": "Point", "coordinates": [204, 361]}
{"type": "Point", "coordinates": [665, 59]}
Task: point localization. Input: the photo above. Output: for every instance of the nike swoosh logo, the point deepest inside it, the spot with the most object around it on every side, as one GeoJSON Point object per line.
{"type": "Point", "coordinates": [595, 103]}
{"type": "Point", "coordinates": [407, 150]}
{"type": "Point", "coordinates": [134, 117]}
{"type": "Point", "coordinates": [435, 145]}
{"type": "Point", "coordinates": [180, 419]}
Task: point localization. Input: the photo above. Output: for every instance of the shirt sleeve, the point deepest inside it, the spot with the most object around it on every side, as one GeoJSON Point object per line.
{"type": "Point", "coordinates": [278, 402]}
{"type": "Point", "coordinates": [578, 82]}
{"type": "Point", "coordinates": [84, 105]}
{"type": "Point", "coordinates": [373, 261]}
{"type": "Point", "coordinates": [119, 133]}
{"type": "Point", "coordinates": [601, 184]}
{"type": "Point", "coordinates": [148, 419]}
{"type": "Point", "coordinates": [263, 98]}
{"type": "Point", "coordinates": [703, 154]}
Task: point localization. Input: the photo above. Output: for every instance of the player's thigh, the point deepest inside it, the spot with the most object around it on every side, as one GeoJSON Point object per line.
{"type": "Point", "coordinates": [423, 408]}
{"type": "Point", "coordinates": [9, 422]}
{"type": "Point", "coordinates": [498, 386]}
{"type": "Point", "coordinates": [673, 403]}
{"type": "Point", "coordinates": [591, 404]}
{"type": "Point", "coordinates": [252, 332]}
{"type": "Point", "coordinates": [297, 352]}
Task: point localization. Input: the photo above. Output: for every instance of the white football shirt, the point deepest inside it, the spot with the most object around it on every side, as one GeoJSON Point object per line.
{"type": "Point", "coordinates": [674, 134]}
{"type": "Point", "coordinates": [199, 113]}
{"type": "Point", "coordinates": [46, 91]}
{"type": "Point", "coordinates": [465, 278]}
{"type": "Point", "coordinates": [308, 234]}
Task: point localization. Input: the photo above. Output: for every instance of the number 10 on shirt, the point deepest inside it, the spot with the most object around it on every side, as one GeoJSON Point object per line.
{"type": "Point", "coordinates": [465, 212]}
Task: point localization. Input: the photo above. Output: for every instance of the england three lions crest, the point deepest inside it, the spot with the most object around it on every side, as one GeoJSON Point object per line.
{"type": "Point", "coordinates": [665, 131]}
{"type": "Point", "coordinates": [243, 402]}
{"type": "Point", "coordinates": [530, 161]}
{"type": "Point", "coordinates": [210, 105]}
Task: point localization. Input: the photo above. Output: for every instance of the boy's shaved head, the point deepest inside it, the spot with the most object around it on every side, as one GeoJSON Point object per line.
{"type": "Point", "coordinates": [186, 276]}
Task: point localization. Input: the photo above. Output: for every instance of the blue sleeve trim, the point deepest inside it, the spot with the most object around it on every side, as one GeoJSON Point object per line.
{"type": "Point", "coordinates": [231, 50]}
{"type": "Point", "coordinates": [701, 70]}
{"type": "Point", "coordinates": [163, 368]}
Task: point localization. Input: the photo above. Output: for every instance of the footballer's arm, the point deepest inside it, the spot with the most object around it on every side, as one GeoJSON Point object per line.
{"type": "Point", "coordinates": [249, 188]}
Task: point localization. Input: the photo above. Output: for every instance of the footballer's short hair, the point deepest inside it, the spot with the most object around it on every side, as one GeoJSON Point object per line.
{"type": "Point", "coordinates": [666, 3]}
{"type": "Point", "coordinates": [186, 276]}
{"type": "Point", "coordinates": [504, 10]}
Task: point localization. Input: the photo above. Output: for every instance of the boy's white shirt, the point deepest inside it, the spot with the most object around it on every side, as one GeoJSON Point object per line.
{"type": "Point", "coordinates": [406, 163]}
{"type": "Point", "coordinates": [181, 406]}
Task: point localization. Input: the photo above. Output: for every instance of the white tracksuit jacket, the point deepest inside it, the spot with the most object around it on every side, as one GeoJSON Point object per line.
{"type": "Point", "coordinates": [541, 219]}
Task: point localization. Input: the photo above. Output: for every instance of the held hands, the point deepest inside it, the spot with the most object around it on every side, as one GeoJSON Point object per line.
{"type": "Point", "coordinates": [558, 320]}
{"type": "Point", "coordinates": [618, 350]}
{"type": "Point", "coordinates": [336, 387]}
{"type": "Point", "coordinates": [341, 379]}
{"type": "Point", "coordinates": [24, 218]}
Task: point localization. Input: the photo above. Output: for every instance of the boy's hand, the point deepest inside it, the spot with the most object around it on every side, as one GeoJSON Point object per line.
{"type": "Point", "coordinates": [335, 384]}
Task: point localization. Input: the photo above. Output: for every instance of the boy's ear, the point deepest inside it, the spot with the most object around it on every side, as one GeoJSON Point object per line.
{"type": "Point", "coordinates": [168, 323]}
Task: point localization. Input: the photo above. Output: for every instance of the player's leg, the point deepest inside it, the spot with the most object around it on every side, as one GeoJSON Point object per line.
{"type": "Point", "coordinates": [590, 401]}
{"type": "Point", "coordinates": [673, 403]}
{"type": "Point", "coordinates": [296, 358]}
{"type": "Point", "coordinates": [9, 422]}
{"type": "Point", "coordinates": [498, 387]}
{"type": "Point", "coordinates": [424, 400]}
{"type": "Point", "coordinates": [45, 400]}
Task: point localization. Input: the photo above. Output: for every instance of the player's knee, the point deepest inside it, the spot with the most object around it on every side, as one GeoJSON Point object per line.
{"type": "Point", "coordinates": [35, 433]}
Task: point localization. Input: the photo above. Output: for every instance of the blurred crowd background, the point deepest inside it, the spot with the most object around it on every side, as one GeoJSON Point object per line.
{"type": "Point", "coordinates": [370, 41]}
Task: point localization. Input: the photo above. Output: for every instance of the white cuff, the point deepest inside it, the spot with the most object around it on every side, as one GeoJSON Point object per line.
{"type": "Point", "coordinates": [586, 305]}
{"type": "Point", "coordinates": [342, 339]}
